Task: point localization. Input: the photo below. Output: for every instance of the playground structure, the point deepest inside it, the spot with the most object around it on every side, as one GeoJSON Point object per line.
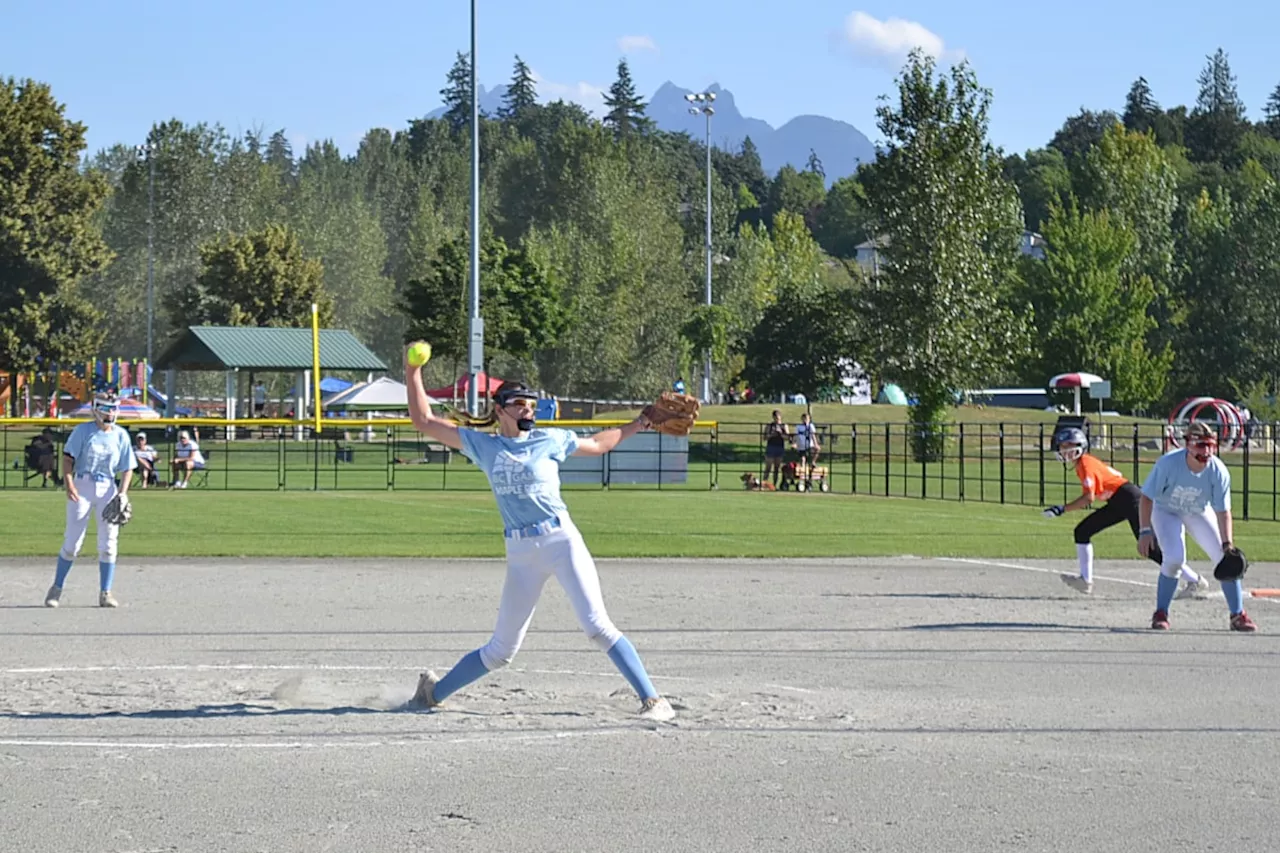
{"type": "Point", "coordinates": [76, 383]}
{"type": "Point", "coordinates": [1233, 430]}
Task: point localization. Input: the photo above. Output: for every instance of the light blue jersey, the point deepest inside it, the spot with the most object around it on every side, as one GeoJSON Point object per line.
{"type": "Point", "coordinates": [1173, 486]}
{"type": "Point", "coordinates": [524, 472]}
{"type": "Point", "coordinates": [102, 454]}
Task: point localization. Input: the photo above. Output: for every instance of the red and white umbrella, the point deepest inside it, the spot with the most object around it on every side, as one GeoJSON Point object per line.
{"type": "Point", "coordinates": [130, 410]}
{"type": "Point", "coordinates": [1075, 381]}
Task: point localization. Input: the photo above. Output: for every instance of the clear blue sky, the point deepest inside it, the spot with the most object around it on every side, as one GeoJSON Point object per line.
{"type": "Point", "coordinates": [324, 69]}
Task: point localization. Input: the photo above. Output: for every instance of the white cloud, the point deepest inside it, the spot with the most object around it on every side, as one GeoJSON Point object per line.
{"type": "Point", "coordinates": [889, 41]}
{"type": "Point", "coordinates": [635, 44]}
{"type": "Point", "coordinates": [587, 95]}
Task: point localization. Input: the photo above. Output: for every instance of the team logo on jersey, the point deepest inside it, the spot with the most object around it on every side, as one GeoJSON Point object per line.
{"type": "Point", "coordinates": [1185, 499]}
{"type": "Point", "coordinates": [514, 474]}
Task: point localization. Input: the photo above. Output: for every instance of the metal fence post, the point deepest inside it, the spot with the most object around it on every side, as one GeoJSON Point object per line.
{"type": "Point", "coordinates": [1137, 437]}
{"type": "Point", "coordinates": [887, 463]}
{"type": "Point", "coordinates": [1001, 427]}
{"type": "Point", "coordinates": [1040, 453]}
{"type": "Point", "coordinates": [853, 459]}
{"type": "Point", "coordinates": [1246, 478]}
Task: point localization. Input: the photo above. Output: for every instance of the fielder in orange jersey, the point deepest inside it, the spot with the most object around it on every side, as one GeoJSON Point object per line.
{"type": "Point", "coordinates": [1100, 482]}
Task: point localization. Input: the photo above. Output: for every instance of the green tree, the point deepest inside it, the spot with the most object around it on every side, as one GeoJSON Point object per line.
{"type": "Point", "coordinates": [804, 343]}
{"type": "Point", "coordinates": [520, 302]}
{"type": "Point", "coordinates": [521, 95]}
{"type": "Point", "coordinates": [626, 115]}
{"type": "Point", "coordinates": [50, 238]}
{"type": "Point", "coordinates": [457, 93]}
{"type": "Point", "coordinates": [797, 259]}
{"type": "Point", "coordinates": [800, 193]}
{"type": "Point", "coordinates": [1253, 288]}
{"type": "Point", "coordinates": [1082, 131]}
{"type": "Point", "coordinates": [814, 165]}
{"type": "Point", "coordinates": [844, 219]}
{"type": "Point", "coordinates": [1271, 113]}
{"type": "Point", "coordinates": [337, 227]}
{"type": "Point", "coordinates": [258, 279]}
{"type": "Point", "coordinates": [1129, 175]}
{"type": "Point", "coordinates": [1088, 314]}
{"type": "Point", "coordinates": [1211, 344]}
{"type": "Point", "coordinates": [1042, 179]}
{"type": "Point", "coordinates": [953, 223]}
{"type": "Point", "coordinates": [1217, 123]}
{"type": "Point", "coordinates": [1140, 108]}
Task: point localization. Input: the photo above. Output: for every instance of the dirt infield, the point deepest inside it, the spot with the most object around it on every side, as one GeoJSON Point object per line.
{"type": "Point", "coordinates": [871, 704]}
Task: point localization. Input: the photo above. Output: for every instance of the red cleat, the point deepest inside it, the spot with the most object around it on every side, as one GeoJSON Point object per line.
{"type": "Point", "coordinates": [1242, 622]}
{"type": "Point", "coordinates": [1160, 620]}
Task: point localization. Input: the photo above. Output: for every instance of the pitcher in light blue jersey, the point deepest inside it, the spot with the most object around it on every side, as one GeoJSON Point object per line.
{"type": "Point", "coordinates": [523, 467]}
{"type": "Point", "coordinates": [1189, 490]}
{"type": "Point", "coordinates": [96, 453]}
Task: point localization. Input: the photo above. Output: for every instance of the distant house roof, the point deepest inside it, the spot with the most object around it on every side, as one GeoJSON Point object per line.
{"type": "Point", "coordinates": [253, 348]}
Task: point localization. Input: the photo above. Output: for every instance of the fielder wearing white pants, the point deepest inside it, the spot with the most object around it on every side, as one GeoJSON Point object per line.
{"type": "Point", "coordinates": [95, 494]}
{"type": "Point", "coordinates": [523, 468]}
{"type": "Point", "coordinates": [96, 453]}
{"type": "Point", "coordinates": [1171, 529]}
{"type": "Point", "coordinates": [531, 561]}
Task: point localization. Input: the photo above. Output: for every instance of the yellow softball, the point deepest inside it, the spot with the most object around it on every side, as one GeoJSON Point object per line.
{"type": "Point", "coordinates": [419, 353]}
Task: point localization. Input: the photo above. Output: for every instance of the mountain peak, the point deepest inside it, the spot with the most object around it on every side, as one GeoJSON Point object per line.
{"type": "Point", "coordinates": [839, 145]}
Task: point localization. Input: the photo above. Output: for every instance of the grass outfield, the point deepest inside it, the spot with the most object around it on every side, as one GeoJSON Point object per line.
{"type": "Point", "coordinates": [616, 524]}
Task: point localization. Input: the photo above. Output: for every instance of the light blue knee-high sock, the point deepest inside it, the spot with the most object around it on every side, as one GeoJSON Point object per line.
{"type": "Point", "coordinates": [465, 671]}
{"type": "Point", "coordinates": [1166, 588]}
{"type": "Point", "coordinates": [1234, 591]}
{"type": "Point", "coordinates": [106, 574]}
{"type": "Point", "coordinates": [64, 569]}
{"type": "Point", "coordinates": [625, 658]}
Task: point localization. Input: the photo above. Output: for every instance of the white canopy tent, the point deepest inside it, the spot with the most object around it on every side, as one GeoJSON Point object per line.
{"type": "Point", "coordinates": [381, 395]}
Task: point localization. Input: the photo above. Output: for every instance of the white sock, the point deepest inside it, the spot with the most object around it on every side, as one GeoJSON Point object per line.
{"type": "Point", "coordinates": [1085, 554]}
{"type": "Point", "coordinates": [1189, 575]}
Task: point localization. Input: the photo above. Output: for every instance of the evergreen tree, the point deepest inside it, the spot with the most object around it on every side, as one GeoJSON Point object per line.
{"type": "Point", "coordinates": [522, 94]}
{"type": "Point", "coordinates": [626, 110]}
{"type": "Point", "coordinates": [457, 94]}
{"type": "Point", "coordinates": [1271, 114]}
{"type": "Point", "coordinates": [279, 157]}
{"type": "Point", "coordinates": [1216, 125]}
{"type": "Point", "coordinates": [1140, 108]}
{"type": "Point", "coordinates": [815, 165]}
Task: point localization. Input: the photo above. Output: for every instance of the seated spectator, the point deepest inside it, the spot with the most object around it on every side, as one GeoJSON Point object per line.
{"type": "Point", "coordinates": [186, 458]}
{"type": "Point", "coordinates": [42, 457]}
{"type": "Point", "coordinates": [147, 461]}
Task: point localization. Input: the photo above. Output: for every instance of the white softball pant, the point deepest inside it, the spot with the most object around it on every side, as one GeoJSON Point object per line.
{"type": "Point", "coordinates": [530, 562]}
{"type": "Point", "coordinates": [94, 497]}
{"type": "Point", "coordinates": [1171, 529]}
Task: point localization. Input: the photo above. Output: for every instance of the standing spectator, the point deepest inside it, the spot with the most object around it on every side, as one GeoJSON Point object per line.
{"type": "Point", "coordinates": [186, 458]}
{"type": "Point", "coordinates": [806, 444]}
{"type": "Point", "coordinates": [679, 385]}
{"type": "Point", "coordinates": [775, 445]}
{"type": "Point", "coordinates": [259, 399]}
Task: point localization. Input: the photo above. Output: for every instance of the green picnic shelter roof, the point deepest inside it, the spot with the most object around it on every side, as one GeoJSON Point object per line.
{"type": "Point", "coordinates": [254, 348]}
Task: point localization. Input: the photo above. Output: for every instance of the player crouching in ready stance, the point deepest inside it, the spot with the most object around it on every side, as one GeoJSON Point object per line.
{"type": "Point", "coordinates": [1190, 490]}
{"type": "Point", "coordinates": [95, 454]}
{"type": "Point", "coordinates": [1100, 482]}
{"type": "Point", "coordinates": [523, 467]}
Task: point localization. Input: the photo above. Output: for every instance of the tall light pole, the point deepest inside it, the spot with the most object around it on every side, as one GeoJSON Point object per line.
{"type": "Point", "coordinates": [146, 151]}
{"type": "Point", "coordinates": [701, 103]}
{"type": "Point", "coordinates": [475, 350]}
